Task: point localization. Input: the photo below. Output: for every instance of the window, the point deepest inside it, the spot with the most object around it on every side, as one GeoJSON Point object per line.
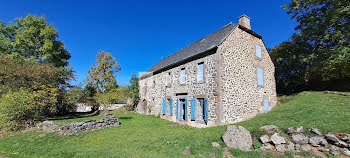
{"type": "Point", "coordinates": [200, 109]}
{"type": "Point", "coordinates": [183, 76]}
{"type": "Point", "coordinates": [168, 79]}
{"type": "Point", "coordinates": [260, 77]}
{"type": "Point", "coordinates": [266, 105]}
{"type": "Point", "coordinates": [200, 72]}
{"type": "Point", "coordinates": [258, 51]}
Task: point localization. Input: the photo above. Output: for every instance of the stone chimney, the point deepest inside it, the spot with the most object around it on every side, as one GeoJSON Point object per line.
{"type": "Point", "coordinates": [244, 21]}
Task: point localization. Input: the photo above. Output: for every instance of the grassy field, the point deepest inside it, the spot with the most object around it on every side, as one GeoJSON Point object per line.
{"type": "Point", "coordinates": [149, 136]}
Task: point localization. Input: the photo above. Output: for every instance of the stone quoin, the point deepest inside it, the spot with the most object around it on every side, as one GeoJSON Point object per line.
{"type": "Point", "coordinates": [225, 77]}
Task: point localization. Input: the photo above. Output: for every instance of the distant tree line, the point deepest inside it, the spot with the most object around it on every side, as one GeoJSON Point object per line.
{"type": "Point", "coordinates": [317, 57]}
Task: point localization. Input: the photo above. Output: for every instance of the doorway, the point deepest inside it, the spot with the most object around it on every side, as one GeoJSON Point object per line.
{"type": "Point", "coordinates": [182, 109]}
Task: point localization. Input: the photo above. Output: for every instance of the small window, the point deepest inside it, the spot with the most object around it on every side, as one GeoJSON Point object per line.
{"type": "Point", "coordinates": [266, 105]}
{"type": "Point", "coordinates": [183, 76]}
{"type": "Point", "coordinates": [200, 72]}
{"type": "Point", "coordinates": [260, 77]}
{"type": "Point", "coordinates": [168, 79]}
{"type": "Point", "coordinates": [258, 51]}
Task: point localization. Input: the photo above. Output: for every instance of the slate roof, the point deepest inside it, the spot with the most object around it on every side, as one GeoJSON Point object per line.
{"type": "Point", "coordinates": [207, 43]}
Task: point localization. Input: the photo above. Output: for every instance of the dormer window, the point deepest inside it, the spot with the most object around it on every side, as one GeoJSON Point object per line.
{"type": "Point", "coordinates": [258, 51]}
{"type": "Point", "coordinates": [183, 76]}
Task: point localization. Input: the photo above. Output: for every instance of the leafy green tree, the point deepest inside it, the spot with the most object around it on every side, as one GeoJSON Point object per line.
{"type": "Point", "coordinates": [133, 90]}
{"type": "Point", "coordinates": [102, 75]}
{"type": "Point", "coordinates": [33, 37]}
{"type": "Point", "coordinates": [318, 56]}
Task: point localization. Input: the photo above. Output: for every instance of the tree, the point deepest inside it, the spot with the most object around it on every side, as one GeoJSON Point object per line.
{"type": "Point", "coordinates": [102, 75]}
{"type": "Point", "coordinates": [318, 56]}
{"type": "Point", "coordinates": [133, 90]}
{"type": "Point", "coordinates": [33, 37]}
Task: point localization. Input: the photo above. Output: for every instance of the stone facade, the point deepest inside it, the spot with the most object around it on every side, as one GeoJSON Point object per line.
{"type": "Point", "coordinates": [230, 84]}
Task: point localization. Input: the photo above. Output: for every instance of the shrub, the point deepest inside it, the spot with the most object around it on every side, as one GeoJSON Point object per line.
{"type": "Point", "coordinates": [13, 109]}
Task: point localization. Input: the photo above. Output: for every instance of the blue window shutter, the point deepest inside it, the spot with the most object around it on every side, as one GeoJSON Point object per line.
{"type": "Point", "coordinates": [177, 109]}
{"type": "Point", "coordinates": [193, 109]}
{"type": "Point", "coordinates": [266, 105]}
{"type": "Point", "coordinates": [186, 109]}
{"type": "Point", "coordinates": [164, 104]}
{"type": "Point", "coordinates": [180, 109]}
{"type": "Point", "coordinates": [171, 107]}
{"type": "Point", "coordinates": [206, 110]}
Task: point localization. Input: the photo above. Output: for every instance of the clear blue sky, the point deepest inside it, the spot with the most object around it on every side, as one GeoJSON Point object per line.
{"type": "Point", "coordinates": [140, 33]}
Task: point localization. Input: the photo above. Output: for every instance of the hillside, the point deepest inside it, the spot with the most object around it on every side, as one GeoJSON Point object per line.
{"type": "Point", "coordinates": [150, 136]}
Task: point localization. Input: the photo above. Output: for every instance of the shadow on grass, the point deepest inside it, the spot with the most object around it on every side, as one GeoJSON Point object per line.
{"type": "Point", "coordinates": [76, 115]}
{"type": "Point", "coordinates": [125, 118]}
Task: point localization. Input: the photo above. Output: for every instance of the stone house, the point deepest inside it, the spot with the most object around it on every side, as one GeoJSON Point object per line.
{"type": "Point", "coordinates": [223, 78]}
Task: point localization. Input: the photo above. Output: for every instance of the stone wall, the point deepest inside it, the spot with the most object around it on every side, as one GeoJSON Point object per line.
{"type": "Point", "coordinates": [78, 127]}
{"type": "Point", "coordinates": [242, 97]}
{"type": "Point", "coordinates": [153, 88]}
{"type": "Point", "coordinates": [230, 83]}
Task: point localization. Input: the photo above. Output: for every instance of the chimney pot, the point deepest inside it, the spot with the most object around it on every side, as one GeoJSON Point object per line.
{"type": "Point", "coordinates": [244, 21]}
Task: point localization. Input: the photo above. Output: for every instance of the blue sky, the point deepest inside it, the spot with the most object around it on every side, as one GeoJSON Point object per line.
{"type": "Point", "coordinates": [140, 33]}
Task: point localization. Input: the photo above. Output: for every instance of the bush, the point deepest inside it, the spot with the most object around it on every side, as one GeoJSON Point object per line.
{"type": "Point", "coordinates": [24, 106]}
{"type": "Point", "coordinates": [13, 109]}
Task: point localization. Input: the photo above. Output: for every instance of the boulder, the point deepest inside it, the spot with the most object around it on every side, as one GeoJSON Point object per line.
{"type": "Point", "coordinates": [267, 147]}
{"type": "Point", "coordinates": [346, 152]}
{"type": "Point", "coordinates": [317, 141]}
{"type": "Point", "coordinates": [344, 137]}
{"type": "Point", "coordinates": [215, 145]}
{"type": "Point", "coordinates": [293, 130]}
{"type": "Point", "coordinates": [277, 139]}
{"type": "Point", "coordinates": [290, 146]}
{"type": "Point", "coordinates": [306, 147]}
{"type": "Point", "coordinates": [265, 139]}
{"type": "Point", "coordinates": [280, 148]}
{"type": "Point", "coordinates": [299, 138]}
{"type": "Point", "coordinates": [237, 137]}
{"type": "Point", "coordinates": [332, 138]}
{"type": "Point", "coordinates": [269, 128]}
{"type": "Point", "coordinates": [315, 131]}
{"type": "Point", "coordinates": [335, 141]}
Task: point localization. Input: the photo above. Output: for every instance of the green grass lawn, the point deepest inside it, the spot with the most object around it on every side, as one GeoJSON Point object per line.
{"type": "Point", "coordinates": [150, 136]}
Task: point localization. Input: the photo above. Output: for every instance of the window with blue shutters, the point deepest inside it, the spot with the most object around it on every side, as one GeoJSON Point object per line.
{"type": "Point", "coordinates": [164, 107]}
{"type": "Point", "coordinates": [266, 105]}
{"type": "Point", "coordinates": [171, 107]}
{"type": "Point", "coordinates": [260, 76]}
{"type": "Point", "coordinates": [206, 110]}
{"type": "Point", "coordinates": [193, 109]}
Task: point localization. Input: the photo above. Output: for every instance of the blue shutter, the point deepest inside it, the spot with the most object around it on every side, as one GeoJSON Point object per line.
{"type": "Point", "coordinates": [177, 109]}
{"type": "Point", "coordinates": [171, 107]}
{"type": "Point", "coordinates": [206, 110]}
{"type": "Point", "coordinates": [186, 110]}
{"type": "Point", "coordinates": [180, 109]}
{"type": "Point", "coordinates": [266, 105]}
{"type": "Point", "coordinates": [164, 104]}
{"type": "Point", "coordinates": [193, 109]}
